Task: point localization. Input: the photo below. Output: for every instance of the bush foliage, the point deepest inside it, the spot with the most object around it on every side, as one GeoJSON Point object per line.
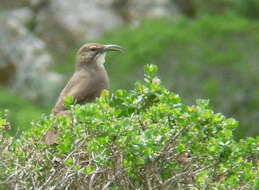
{"type": "Point", "coordinates": [202, 58]}
{"type": "Point", "coordinates": [18, 111]}
{"type": "Point", "coordinates": [212, 57]}
{"type": "Point", "coordinates": [244, 8]}
{"type": "Point", "coordinates": [145, 138]}
{"type": "Point", "coordinates": [205, 58]}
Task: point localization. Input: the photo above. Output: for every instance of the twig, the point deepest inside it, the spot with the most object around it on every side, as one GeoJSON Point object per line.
{"type": "Point", "coordinates": [92, 179]}
{"type": "Point", "coordinates": [163, 152]}
{"type": "Point", "coordinates": [148, 183]}
{"type": "Point", "coordinates": [48, 180]}
{"type": "Point", "coordinates": [109, 182]}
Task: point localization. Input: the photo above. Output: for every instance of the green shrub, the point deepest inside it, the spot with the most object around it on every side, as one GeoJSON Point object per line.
{"type": "Point", "coordinates": [245, 8]}
{"type": "Point", "coordinates": [140, 139]}
{"type": "Point", "coordinates": [248, 8]}
{"type": "Point", "coordinates": [20, 112]}
{"type": "Point", "coordinates": [214, 57]}
{"type": "Point", "coordinates": [214, 6]}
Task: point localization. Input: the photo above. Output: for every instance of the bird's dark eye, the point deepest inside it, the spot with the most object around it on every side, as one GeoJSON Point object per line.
{"type": "Point", "coordinates": [93, 49]}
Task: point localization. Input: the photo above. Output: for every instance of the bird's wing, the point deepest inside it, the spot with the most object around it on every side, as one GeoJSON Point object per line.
{"type": "Point", "coordinates": [76, 87]}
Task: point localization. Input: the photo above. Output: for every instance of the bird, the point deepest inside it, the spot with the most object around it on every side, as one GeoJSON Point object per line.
{"type": "Point", "coordinates": [85, 85]}
{"type": "Point", "coordinates": [90, 77]}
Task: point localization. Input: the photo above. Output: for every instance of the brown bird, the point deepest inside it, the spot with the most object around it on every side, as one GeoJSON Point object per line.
{"type": "Point", "coordinates": [85, 85]}
{"type": "Point", "coordinates": [89, 78]}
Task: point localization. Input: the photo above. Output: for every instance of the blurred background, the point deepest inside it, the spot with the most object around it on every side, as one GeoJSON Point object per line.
{"type": "Point", "coordinates": [204, 49]}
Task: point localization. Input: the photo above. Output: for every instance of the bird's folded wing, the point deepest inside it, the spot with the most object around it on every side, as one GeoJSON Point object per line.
{"type": "Point", "coordinates": [76, 88]}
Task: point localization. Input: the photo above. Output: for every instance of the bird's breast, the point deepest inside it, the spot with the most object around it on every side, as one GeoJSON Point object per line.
{"type": "Point", "coordinates": [101, 80]}
{"type": "Point", "coordinates": [98, 81]}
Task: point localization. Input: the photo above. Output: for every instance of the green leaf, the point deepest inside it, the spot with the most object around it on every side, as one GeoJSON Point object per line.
{"type": "Point", "coordinates": [88, 169]}
{"type": "Point", "coordinates": [69, 162]}
{"type": "Point", "coordinates": [69, 100]}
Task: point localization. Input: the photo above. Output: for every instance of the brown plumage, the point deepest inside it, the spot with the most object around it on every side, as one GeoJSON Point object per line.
{"type": "Point", "coordinates": [85, 85]}
{"type": "Point", "coordinates": [89, 78]}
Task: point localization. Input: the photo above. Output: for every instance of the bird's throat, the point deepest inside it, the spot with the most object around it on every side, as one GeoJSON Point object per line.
{"type": "Point", "coordinates": [98, 61]}
{"type": "Point", "coordinates": [101, 60]}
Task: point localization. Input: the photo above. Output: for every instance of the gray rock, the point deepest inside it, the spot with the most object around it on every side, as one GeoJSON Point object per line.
{"type": "Point", "coordinates": [151, 8]}
{"type": "Point", "coordinates": [87, 19]}
{"type": "Point", "coordinates": [59, 25]}
{"type": "Point", "coordinates": [28, 55]}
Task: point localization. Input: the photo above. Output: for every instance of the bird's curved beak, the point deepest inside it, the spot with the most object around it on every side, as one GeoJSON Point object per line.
{"type": "Point", "coordinates": [113, 47]}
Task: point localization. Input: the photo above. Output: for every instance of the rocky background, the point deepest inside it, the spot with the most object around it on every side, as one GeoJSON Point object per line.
{"type": "Point", "coordinates": [37, 37]}
{"type": "Point", "coordinates": [31, 29]}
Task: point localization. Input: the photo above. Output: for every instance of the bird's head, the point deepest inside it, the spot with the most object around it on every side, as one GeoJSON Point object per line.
{"type": "Point", "coordinates": [94, 53]}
